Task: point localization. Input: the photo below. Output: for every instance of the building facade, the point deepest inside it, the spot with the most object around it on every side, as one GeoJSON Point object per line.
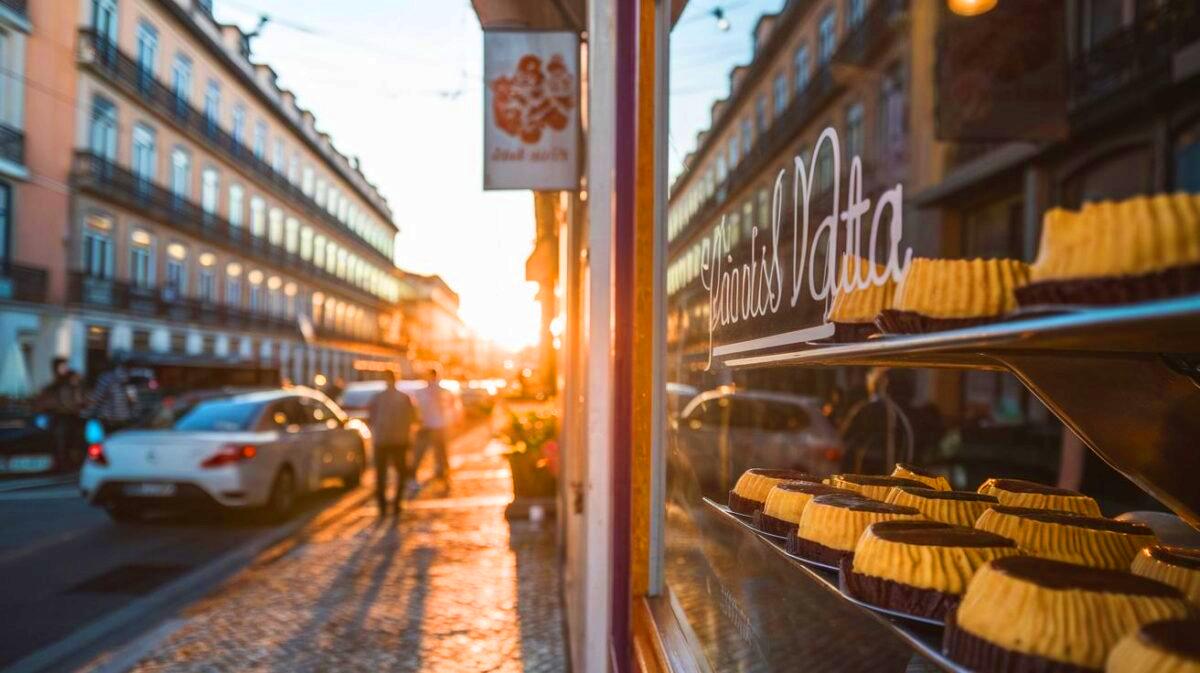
{"type": "Point", "coordinates": [184, 204]}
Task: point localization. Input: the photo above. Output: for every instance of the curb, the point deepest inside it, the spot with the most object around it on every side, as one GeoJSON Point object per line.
{"type": "Point", "coordinates": [193, 585]}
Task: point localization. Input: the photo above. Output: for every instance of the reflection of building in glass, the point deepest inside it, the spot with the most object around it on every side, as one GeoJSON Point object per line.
{"type": "Point", "coordinates": [186, 205]}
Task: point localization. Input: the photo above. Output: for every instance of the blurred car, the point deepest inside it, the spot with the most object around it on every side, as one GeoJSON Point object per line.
{"type": "Point", "coordinates": [357, 397]}
{"type": "Point", "coordinates": [259, 449]}
{"type": "Point", "coordinates": [725, 431]}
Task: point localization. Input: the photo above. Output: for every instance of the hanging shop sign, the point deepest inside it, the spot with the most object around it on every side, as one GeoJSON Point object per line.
{"type": "Point", "coordinates": [779, 293]}
{"type": "Point", "coordinates": [531, 101]}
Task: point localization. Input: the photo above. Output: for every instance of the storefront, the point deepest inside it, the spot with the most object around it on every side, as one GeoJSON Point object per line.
{"type": "Point", "coordinates": [912, 232]}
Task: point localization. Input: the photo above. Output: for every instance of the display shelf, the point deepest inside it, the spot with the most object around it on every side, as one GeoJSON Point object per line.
{"type": "Point", "coordinates": [1168, 326]}
{"type": "Point", "coordinates": [924, 638]}
{"type": "Point", "coordinates": [1124, 379]}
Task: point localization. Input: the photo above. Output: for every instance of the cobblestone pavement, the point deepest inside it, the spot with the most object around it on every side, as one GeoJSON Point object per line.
{"type": "Point", "coordinates": [451, 587]}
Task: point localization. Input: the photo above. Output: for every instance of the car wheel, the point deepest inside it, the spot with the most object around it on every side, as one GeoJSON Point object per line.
{"type": "Point", "coordinates": [124, 513]}
{"type": "Point", "coordinates": [283, 495]}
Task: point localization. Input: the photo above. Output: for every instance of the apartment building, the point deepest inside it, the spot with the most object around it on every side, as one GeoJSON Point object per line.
{"type": "Point", "coordinates": [860, 67]}
{"type": "Point", "coordinates": [203, 214]}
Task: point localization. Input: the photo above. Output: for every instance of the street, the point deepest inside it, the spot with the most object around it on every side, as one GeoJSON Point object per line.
{"type": "Point", "coordinates": [66, 565]}
{"type": "Point", "coordinates": [452, 586]}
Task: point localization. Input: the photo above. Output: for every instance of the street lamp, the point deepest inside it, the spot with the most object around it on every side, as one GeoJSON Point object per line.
{"type": "Point", "coordinates": [971, 7]}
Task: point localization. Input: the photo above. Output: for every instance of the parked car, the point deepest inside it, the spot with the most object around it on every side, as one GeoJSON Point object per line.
{"type": "Point", "coordinates": [725, 431]}
{"type": "Point", "coordinates": [257, 449]}
{"type": "Point", "coordinates": [358, 394]}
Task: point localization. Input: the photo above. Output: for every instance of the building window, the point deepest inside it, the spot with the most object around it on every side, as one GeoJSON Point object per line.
{"type": "Point", "coordinates": [210, 189]}
{"type": "Point", "coordinates": [827, 36]}
{"type": "Point", "coordinates": [277, 157]}
{"type": "Point", "coordinates": [1187, 160]}
{"type": "Point", "coordinates": [780, 93]}
{"type": "Point", "coordinates": [206, 288]}
{"type": "Point", "coordinates": [260, 139]}
{"type": "Point", "coordinates": [181, 83]}
{"type": "Point", "coordinates": [320, 196]}
{"type": "Point", "coordinates": [892, 118]}
{"type": "Point", "coordinates": [764, 210]}
{"type": "Point", "coordinates": [291, 240]}
{"type": "Point", "coordinates": [236, 205]}
{"type": "Point", "coordinates": [233, 284]}
{"type": "Point", "coordinates": [147, 53]}
{"type": "Point", "coordinates": [103, 132]}
{"type": "Point", "coordinates": [825, 167]}
{"type": "Point", "coordinates": [854, 131]}
{"type": "Point", "coordinates": [760, 112]}
{"type": "Point", "coordinates": [144, 158]}
{"type": "Point", "coordinates": [255, 277]}
{"type": "Point", "coordinates": [294, 170]}
{"type": "Point", "coordinates": [721, 168]}
{"type": "Point", "coordinates": [306, 243]}
{"type": "Point", "coordinates": [176, 282]}
{"type": "Point", "coordinates": [855, 11]}
{"type": "Point", "coordinates": [98, 247]}
{"type": "Point", "coordinates": [307, 183]}
{"type": "Point", "coordinates": [747, 135]}
{"type": "Point", "coordinates": [258, 217]}
{"type": "Point", "coordinates": [733, 150]}
{"type": "Point", "coordinates": [319, 251]}
{"type": "Point", "coordinates": [276, 232]}
{"type": "Point", "coordinates": [5, 223]}
{"type": "Point", "coordinates": [178, 342]}
{"type": "Point", "coordinates": [1101, 19]}
{"type": "Point", "coordinates": [181, 174]}
{"type": "Point", "coordinates": [104, 22]}
{"type": "Point", "coordinates": [803, 67]}
{"type": "Point", "coordinates": [239, 125]}
{"type": "Point", "coordinates": [212, 104]}
{"type": "Point", "coordinates": [141, 259]}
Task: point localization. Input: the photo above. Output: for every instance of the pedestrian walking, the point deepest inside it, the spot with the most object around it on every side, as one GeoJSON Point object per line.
{"type": "Point", "coordinates": [63, 401]}
{"type": "Point", "coordinates": [390, 414]}
{"type": "Point", "coordinates": [431, 402]}
{"type": "Point", "coordinates": [114, 399]}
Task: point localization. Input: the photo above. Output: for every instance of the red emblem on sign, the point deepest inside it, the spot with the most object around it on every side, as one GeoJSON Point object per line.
{"type": "Point", "coordinates": [533, 99]}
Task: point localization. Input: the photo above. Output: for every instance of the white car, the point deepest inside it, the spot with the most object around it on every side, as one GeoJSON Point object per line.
{"type": "Point", "coordinates": [258, 449]}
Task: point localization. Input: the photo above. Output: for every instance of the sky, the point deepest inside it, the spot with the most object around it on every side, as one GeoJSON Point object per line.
{"type": "Point", "coordinates": [398, 83]}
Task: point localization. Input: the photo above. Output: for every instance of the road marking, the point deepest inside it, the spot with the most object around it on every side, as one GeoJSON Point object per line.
{"type": "Point", "coordinates": [37, 482]}
{"type": "Point", "coordinates": [14, 554]}
{"type": "Point", "coordinates": [64, 493]}
{"type": "Point", "coordinates": [127, 657]}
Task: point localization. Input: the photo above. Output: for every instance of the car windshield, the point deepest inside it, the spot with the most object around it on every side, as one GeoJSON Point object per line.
{"type": "Point", "coordinates": [224, 415]}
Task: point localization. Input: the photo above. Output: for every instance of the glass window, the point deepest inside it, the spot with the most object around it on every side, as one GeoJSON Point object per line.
{"type": "Point", "coordinates": [277, 157]}
{"type": "Point", "coordinates": [141, 259]}
{"type": "Point", "coordinates": [144, 157]}
{"type": "Point", "coordinates": [147, 52]}
{"type": "Point", "coordinates": [181, 173]}
{"type": "Point", "coordinates": [237, 206]}
{"type": "Point", "coordinates": [176, 281]}
{"type": "Point", "coordinates": [260, 139]}
{"type": "Point", "coordinates": [733, 150]}
{"type": "Point", "coordinates": [258, 217]}
{"type": "Point", "coordinates": [760, 113]}
{"type": "Point", "coordinates": [319, 250]}
{"type": "Point", "coordinates": [827, 36]}
{"type": "Point", "coordinates": [102, 134]}
{"type": "Point", "coordinates": [855, 11]}
{"type": "Point", "coordinates": [779, 91]}
{"type": "Point", "coordinates": [292, 235]}
{"type": "Point", "coordinates": [275, 235]}
{"type": "Point", "coordinates": [892, 118]}
{"type": "Point", "coordinates": [98, 247]}
{"type": "Point", "coordinates": [307, 184]}
{"type": "Point", "coordinates": [747, 135]}
{"type": "Point", "coordinates": [238, 124]}
{"type": "Point", "coordinates": [802, 66]}
{"type": "Point", "coordinates": [212, 104]}
{"type": "Point", "coordinates": [181, 80]}
{"type": "Point", "coordinates": [233, 284]}
{"type": "Point", "coordinates": [206, 286]}
{"type": "Point", "coordinates": [854, 132]}
{"type": "Point", "coordinates": [219, 415]}
{"type": "Point", "coordinates": [210, 190]}
{"type": "Point", "coordinates": [306, 242]}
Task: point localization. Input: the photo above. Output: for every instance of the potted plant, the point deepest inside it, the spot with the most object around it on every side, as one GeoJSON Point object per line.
{"type": "Point", "coordinates": [533, 456]}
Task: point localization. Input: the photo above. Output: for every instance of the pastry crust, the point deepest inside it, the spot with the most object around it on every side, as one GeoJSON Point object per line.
{"type": "Point", "coordinates": [1177, 566]}
{"type": "Point", "coordinates": [1060, 612]}
{"type": "Point", "coordinates": [1161, 647]}
{"type": "Point", "coordinates": [1021, 493]}
{"type": "Point", "coordinates": [959, 508]}
{"type": "Point", "coordinates": [1065, 536]}
{"type": "Point", "coordinates": [838, 521]}
{"type": "Point", "coordinates": [872, 486]}
{"type": "Point", "coordinates": [960, 288]}
{"type": "Point", "coordinates": [860, 305]}
{"type": "Point", "coordinates": [927, 554]}
{"type": "Point", "coordinates": [754, 484]}
{"type": "Point", "coordinates": [930, 479]}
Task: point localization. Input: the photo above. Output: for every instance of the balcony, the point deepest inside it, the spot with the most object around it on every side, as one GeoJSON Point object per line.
{"type": "Point", "coordinates": [12, 144]}
{"type": "Point", "coordinates": [1135, 61]}
{"type": "Point", "coordinates": [113, 295]}
{"type": "Point", "coordinates": [22, 283]}
{"type": "Point", "coordinates": [110, 182]}
{"type": "Point", "coordinates": [869, 38]}
{"type": "Point", "coordinates": [104, 58]}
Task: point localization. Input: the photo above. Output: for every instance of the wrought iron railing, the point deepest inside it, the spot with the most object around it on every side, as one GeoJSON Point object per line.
{"type": "Point", "coordinates": [107, 180]}
{"type": "Point", "coordinates": [122, 70]}
{"type": "Point", "coordinates": [1139, 55]}
{"type": "Point", "coordinates": [22, 283]}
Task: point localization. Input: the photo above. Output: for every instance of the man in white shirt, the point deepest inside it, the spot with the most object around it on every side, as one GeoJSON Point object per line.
{"type": "Point", "coordinates": [431, 401]}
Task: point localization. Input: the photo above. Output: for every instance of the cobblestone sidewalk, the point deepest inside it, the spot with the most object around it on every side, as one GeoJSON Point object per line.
{"type": "Point", "coordinates": [451, 587]}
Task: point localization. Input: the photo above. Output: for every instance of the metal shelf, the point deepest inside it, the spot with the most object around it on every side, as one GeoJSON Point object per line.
{"type": "Point", "coordinates": [924, 639]}
{"type": "Point", "coordinates": [1169, 326]}
{"type": "Point", "coordinates": [1125, 379]}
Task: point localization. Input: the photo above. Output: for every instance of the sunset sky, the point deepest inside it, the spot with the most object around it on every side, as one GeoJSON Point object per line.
{"type": "Point", "coordinates": [395, 82]}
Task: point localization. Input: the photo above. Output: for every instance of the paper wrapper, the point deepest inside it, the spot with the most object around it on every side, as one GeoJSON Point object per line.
{"type": "Point", "coordinates": [772, 525]}
{"type": "Point", "coordinates": [1107, 291]}
{"type": "Point", "coordinates": [977, 654]}
{"type": "Point", "coordinates": [815, 551]}
{"type": "Point", "coordinates": [891, 321]}
{"type": "Point", "coordinates": [896, 596]}
{"type": "Point", "coordinates": [744, 506]}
